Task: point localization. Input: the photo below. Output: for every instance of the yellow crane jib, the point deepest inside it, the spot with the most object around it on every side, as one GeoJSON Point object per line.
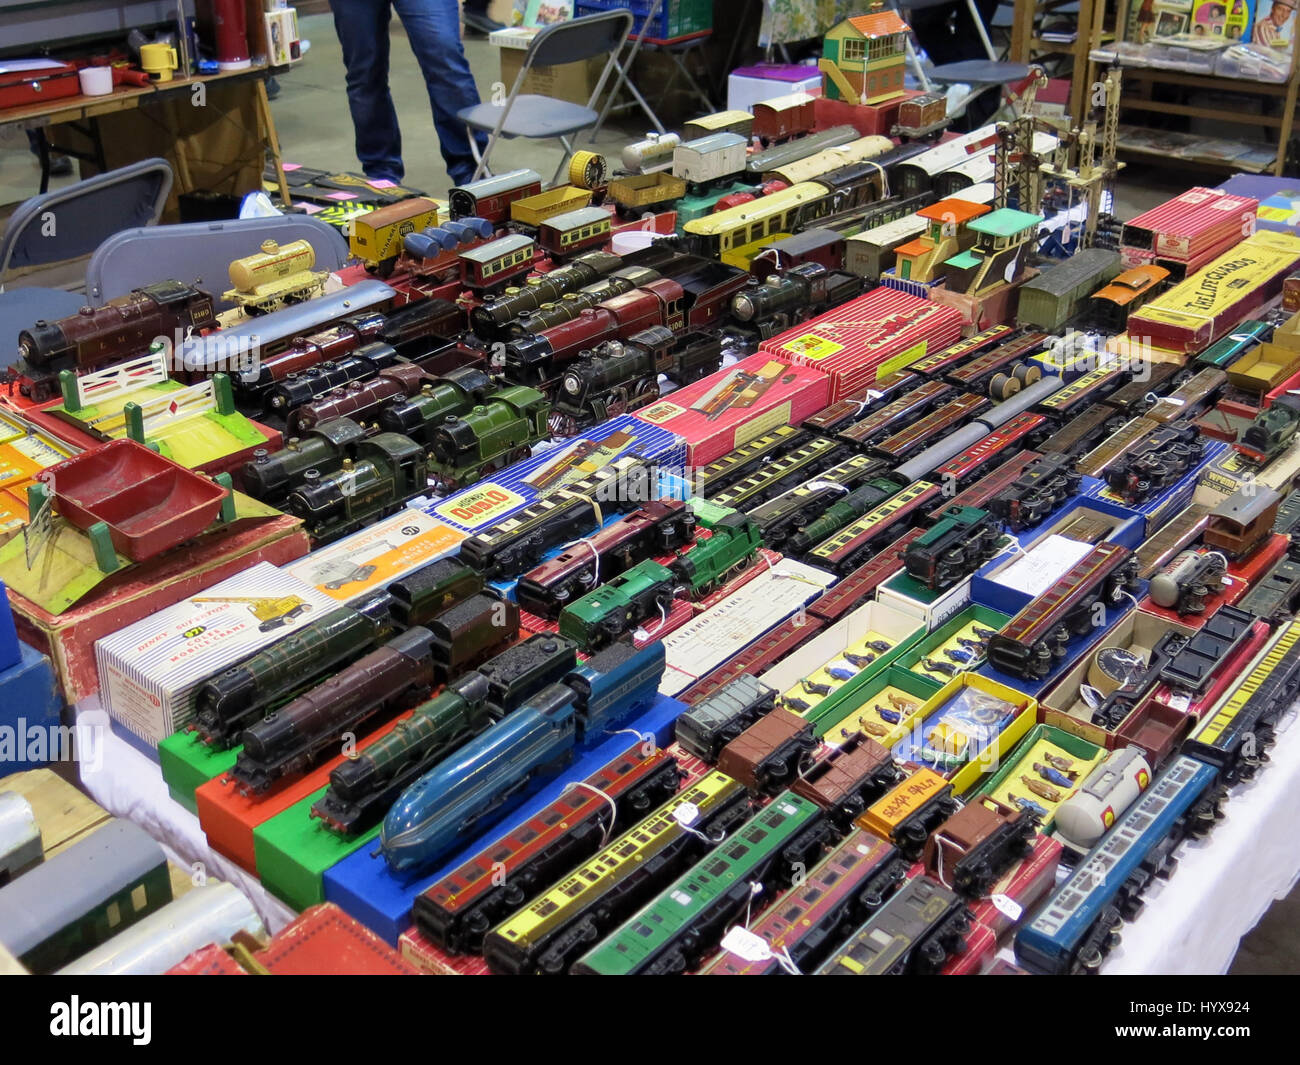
{"type": "Point", "coordinates": [270, 611]}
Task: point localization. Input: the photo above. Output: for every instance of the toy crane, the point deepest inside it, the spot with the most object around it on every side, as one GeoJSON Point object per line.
{"type": "Point", "coordinates": [270, 611]}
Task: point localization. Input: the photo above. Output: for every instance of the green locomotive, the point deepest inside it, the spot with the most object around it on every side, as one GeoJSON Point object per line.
{"type": "Point", "coordinates": [388, 470]}
{"type": "Point", "coordinates": [489, 437]}
{"type": "Point", "coordinates": [647, 590]}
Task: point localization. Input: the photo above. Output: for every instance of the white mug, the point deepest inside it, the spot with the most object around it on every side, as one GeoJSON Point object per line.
{"type": "Point", "coordinates": [96, 81]}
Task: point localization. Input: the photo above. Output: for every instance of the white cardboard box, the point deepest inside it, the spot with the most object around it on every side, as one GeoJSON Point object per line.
{"type": "Point", "coordinates": [714, 636]}
{"type": "Point", "coordinates": [149, 671]}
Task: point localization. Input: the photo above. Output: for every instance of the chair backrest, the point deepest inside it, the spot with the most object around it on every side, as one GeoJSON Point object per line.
{"type": "Point", "coordinates": [72, 222]}
{"type": "Point", "coordinates": [580, 38]}
{"type": "Point", "coordinates": [200, 253]}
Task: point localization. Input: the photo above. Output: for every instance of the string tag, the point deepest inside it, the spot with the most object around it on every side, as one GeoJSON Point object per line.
{"type": "Point", "coordinates": [686, 814]}
{"type": "Point", "coordinates": [1008, 906]}
{"type": "Point", "coordinates": [613, 806]}
{"type": "Point", "coordinates": [746, 944]}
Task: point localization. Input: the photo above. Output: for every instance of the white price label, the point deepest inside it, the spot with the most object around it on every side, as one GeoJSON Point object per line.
{"type": "Point", "coordinates": [745, 944]}
{"type": "Point", "coordinates": [686, 814]}
{"type": "Point", "coordinates": [1007, 905]}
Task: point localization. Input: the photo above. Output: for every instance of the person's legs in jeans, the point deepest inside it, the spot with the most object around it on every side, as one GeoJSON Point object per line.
{"type": "Point", "coordinates": [362, 27]}
{"type": "Point", "coordinates": [433, 28]}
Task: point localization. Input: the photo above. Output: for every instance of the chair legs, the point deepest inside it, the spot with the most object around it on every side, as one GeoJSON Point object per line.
{"type": "Point", "coordinates": [481, 168]}
{"type": "Point", "coordinates": [564, 161]}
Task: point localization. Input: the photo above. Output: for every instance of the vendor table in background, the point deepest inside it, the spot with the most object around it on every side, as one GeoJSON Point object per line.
{"type": "Point", "coordinates": [83, 113]}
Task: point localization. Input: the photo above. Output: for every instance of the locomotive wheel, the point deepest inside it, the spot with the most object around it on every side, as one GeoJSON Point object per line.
{"type": "Point", "coordinates": [646, 392]}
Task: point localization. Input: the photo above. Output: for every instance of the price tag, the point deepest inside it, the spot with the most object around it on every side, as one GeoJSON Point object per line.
{"type": "Point", "coordinates": [1008, 906]}
{"type": "Point", "coordinates": [745, 944]}
{"type": "Point", "coordinates": [1180, 702]}
{"type": "Point", "coordinates": [686, 814]}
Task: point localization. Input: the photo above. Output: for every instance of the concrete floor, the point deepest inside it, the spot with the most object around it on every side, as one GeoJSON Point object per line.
{"type": "Point", "coordinates": [311, 115]}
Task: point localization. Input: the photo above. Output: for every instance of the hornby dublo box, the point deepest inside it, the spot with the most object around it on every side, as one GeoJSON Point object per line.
{"type": "Point", "coordinates": [868, 338]}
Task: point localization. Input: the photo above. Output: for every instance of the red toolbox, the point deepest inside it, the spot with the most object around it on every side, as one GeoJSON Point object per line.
{"type": "Point", "coordinates": [22, 88]}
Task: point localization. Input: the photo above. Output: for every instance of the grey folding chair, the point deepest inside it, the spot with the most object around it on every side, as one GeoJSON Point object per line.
{"type": "Point", "coordinates": [61, 226]}
{"type": "Point", "coordinates": [200, 253]}
{"type": "Point", "coordinates": [541, 117]}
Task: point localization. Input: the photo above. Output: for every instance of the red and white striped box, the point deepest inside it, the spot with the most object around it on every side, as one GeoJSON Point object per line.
{"type": "Point", "coordinates": [859, 342]}
{"type": "Point", "coordinates": [737, 403]}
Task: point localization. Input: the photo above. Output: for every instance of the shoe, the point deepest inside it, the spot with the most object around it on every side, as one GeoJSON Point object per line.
{"type": "Point", "coordinates": [479, 22]}
{"type": "Point", "coordinates": [60, 166]}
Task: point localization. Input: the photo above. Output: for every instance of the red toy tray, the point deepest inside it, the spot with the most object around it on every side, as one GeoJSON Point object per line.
{"type": "Point", "coordinates": [149, 503]}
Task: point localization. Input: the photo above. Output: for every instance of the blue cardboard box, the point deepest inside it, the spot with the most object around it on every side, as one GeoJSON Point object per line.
{"type": "Point", "coordinates": [9, 651]}
{"type": "Point", "coordinates": [31, 708]}
{"type": "Point", "coordinates": [363, 885]}
{"type": "Point", "coordinates": [1129, 531]}
{"type": "Point", "coordinates": [500, 495]}
{"type": "Point", "coordinates": [1157, 510]}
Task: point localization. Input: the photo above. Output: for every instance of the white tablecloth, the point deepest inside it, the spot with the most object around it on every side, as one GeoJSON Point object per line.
{"type": "Point", "coordinates": [1191, 923]}
{"type": "Point", "coordinates": [128, 784]}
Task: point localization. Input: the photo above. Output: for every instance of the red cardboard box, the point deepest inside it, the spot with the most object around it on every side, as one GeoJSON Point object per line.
{"type": "Point", "coordinates": [870, 120]}
{"type": "Point", "coordinates": [859, 342]}
{"type": "Point", "coordinates": [1026, 884]}
{"type": "Point", "coordinates": [325, 941]}
{"type": "Point", "coordinates": [731, 407]}
{"type": "Point", "coordinates": [981, 945]}
{"type": "Point", "coordinates": [228, 817]}
{"type": "Point", "coordinates": [147, 587]}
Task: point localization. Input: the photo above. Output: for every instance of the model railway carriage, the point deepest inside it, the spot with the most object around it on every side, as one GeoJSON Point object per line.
{"type": "Point", "coordinates": [919, 116]}
{"type": "Point", "coordinates": [1079, 923]}
{"type": "Point", "coordinates": [709, 160]}
{"type": "Point", "coordinates": [1056, 295]}
{"type": "Point", "coordinates": [741, 123]}
{"type": "Point", "coordinates": [674, 931]}
{"type": "Point", "coordinates": [491, 197]}
{"type": "Point", "coordinates": [490, 267]}
{"type": "Point", "coordinates": [77, 899]}
{"type": "Point", "coordinates": [1109, 307]}
{"type": "Point", "coordinates": [916, 931]}
{"type": "Point", "coordinates": [876, 151]}
{"type": "Point", "coordinates": [564, 235]}
{"type": "Point", "coordinates": [783, 117]}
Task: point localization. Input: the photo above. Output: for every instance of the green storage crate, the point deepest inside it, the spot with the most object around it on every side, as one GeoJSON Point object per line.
{"type": "Point", "coordinates": [982, 614]}
{"type": "Point", "coordinates": [1089, 754]}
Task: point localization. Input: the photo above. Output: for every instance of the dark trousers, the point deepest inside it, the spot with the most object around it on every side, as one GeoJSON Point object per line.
{"type": "Point", "coordinates": [433, 28]}
{"type": "Point", "coordinates": [949, 40]}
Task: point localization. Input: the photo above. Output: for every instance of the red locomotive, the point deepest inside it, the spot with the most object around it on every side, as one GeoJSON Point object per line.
{"type": "Point", "coordinates": [97, 336]}
{"type": "Point", "coordinates": [696, 296]}
{"type": "Point", "coordinates": [655, 529]}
